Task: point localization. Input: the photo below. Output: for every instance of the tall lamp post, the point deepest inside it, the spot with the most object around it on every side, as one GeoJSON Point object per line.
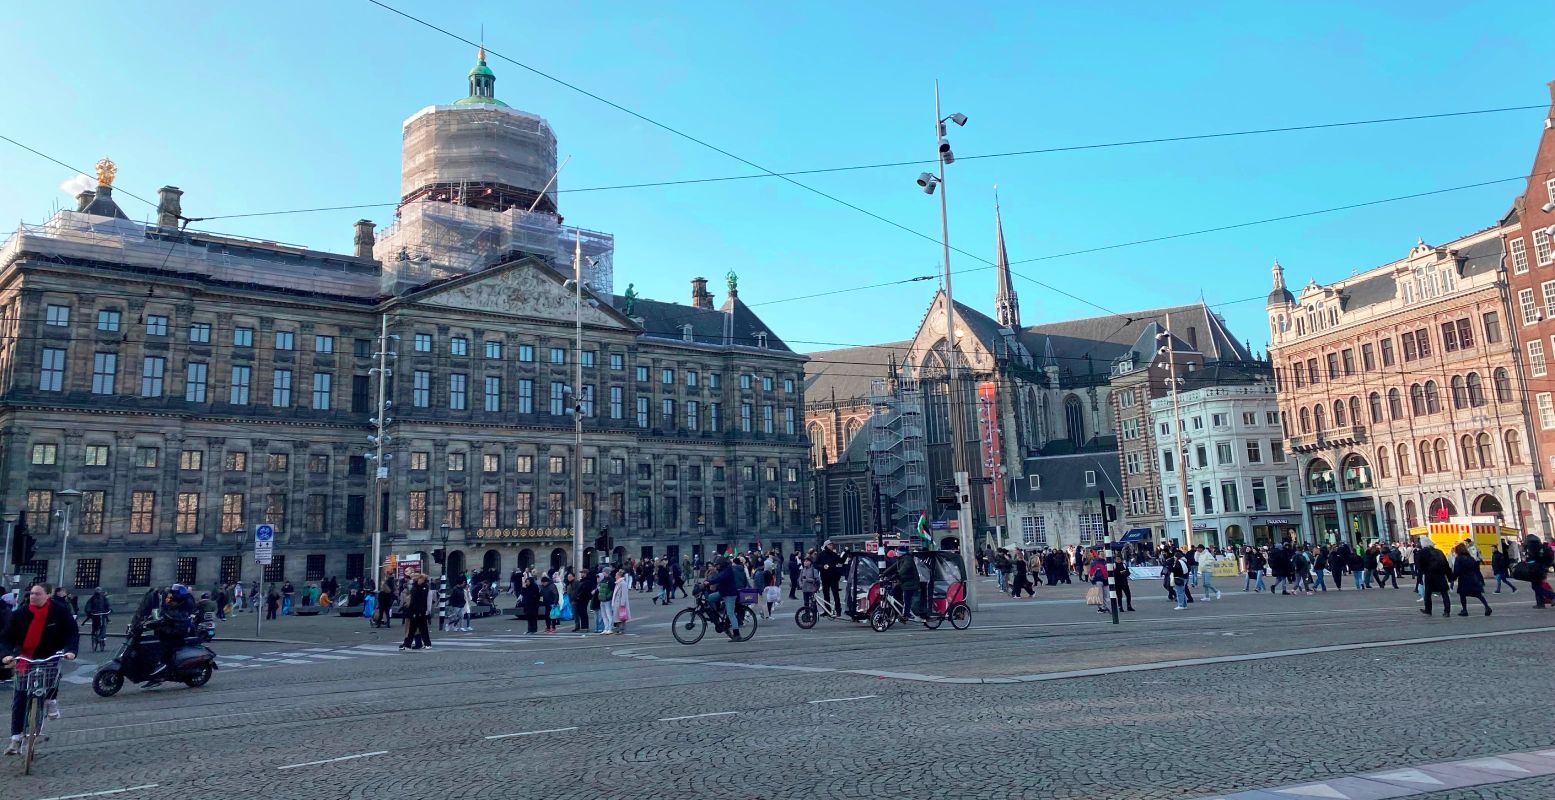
{"type": "Point", "coordinates": [928, 182]}
{"type": "Point", "coordinates": [1165, 350]}
{"type": "Point", "coordinates": [10, 532]}
{"type": "Point", "coordinates": [68, 498]}
{"type": "Point", "coordinates": [579, 397]}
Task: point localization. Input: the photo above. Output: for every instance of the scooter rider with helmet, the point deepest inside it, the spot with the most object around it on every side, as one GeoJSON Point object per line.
{"type": "Point", "coordinates": [174, 626]}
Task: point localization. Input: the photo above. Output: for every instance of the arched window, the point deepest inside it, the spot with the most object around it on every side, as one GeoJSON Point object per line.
{"type": "Point", "coordinates": [1074, 420]}
{"type": "Point", "coordinates": [1306, 421]}
{"type": "Point", "coordinates": [1476, 390]}
{"type": "Point", "coordinates": [1395, 404]}
{"type": "Point", "coordinates": [1375, 401]}
{"type": "Point", "coordinates": [1355, 410]}
{"type": "Point", "coordinates": [1320, 477]}
{"type": "Point", "coordinates": [1339, 414]}
{"type": "Point", "coordinates": [850, 430]}
{"type": "Point", "coordinates": [1417, 400]}
{"type": "Point", "coordinates": [1514, 448]}
{"type": "Point", "coordinates": [1442, 508]}
{"type": "Point", "coordinates": [1441, 455]}
{"type": "Point", "coordinates": [852, 510]}
{"type": "Point", "coordinates": [1284, 424]}
{"type": "Point", "coordinates": [817, 445]}
{"type": "Point", "coordinates": [1426, 460]}
{"type": "Point", "coordinates": [1486, 453]}
{"type": "Point", "coordinates": [1318, 417]}
{"type": "Point", "coordinates": [1460, 392]}
{"type": "Point", "coordinates": [1383, 470]}
{"type": "Point", "coordinates": [1410, 517]}
{"type": "Point", "coordinates": [1503, 386]}
{"type": "Point", "coordinates": [1433, 400]}
{"type": "Point", "coordinates": [1466, 451]}
{"type": "Point", "coordinates": [1357, 473]}
{"type": "Point", "coordinates": [1403, 460]}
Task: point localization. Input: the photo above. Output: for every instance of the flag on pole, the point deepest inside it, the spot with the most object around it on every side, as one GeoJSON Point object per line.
{"type": "Point", "coordinates": [923, 527]}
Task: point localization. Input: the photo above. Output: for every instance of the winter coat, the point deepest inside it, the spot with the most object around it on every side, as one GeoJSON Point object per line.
{"type": "Point", "coordinates": [621, 598]}
{"type": "Point", "coordinates": [809, 579]}
{"type": "Point", "coordinates": [1466, 570]}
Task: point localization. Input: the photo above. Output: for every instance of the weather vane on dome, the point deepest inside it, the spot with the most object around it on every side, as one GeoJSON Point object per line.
{"type": "Point", "coordinates": [106, 169]}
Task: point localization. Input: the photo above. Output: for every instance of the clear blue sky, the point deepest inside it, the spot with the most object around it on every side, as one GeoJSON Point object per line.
{"type": "Point", "coordinates": [267, 106]}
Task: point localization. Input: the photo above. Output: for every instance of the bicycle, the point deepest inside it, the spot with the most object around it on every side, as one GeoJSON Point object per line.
{"type": "Point", "coordinates": [887, 610]}
{"type": "Point", "coordinates": [100, 631]}
{"type": "Point", "coordinates": [690, 624]}
{"type": "Point", "coordinates": [37, 679]}
{"type": "Point", "coordinates": [818, 607]}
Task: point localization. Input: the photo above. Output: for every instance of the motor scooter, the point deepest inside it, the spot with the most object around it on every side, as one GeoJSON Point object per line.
{"type": "Point", "coordinates": [141, 654]}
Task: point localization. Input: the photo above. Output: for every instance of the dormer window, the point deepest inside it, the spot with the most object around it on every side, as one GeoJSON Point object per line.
{"type": "Point", "coordinates": [685, 333]}
{"type": "Point", "coordinates": [761, 339]}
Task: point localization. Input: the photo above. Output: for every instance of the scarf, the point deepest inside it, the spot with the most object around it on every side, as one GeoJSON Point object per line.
{"type": "Point", "coordinates": [34, 635]}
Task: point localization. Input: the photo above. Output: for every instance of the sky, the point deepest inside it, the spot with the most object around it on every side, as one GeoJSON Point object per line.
{"type": "Point", "coordinates": [258, 107]}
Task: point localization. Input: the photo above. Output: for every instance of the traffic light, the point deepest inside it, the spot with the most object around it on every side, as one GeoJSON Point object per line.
{"type": "Point", "coordinates": [23, 550]}
{"type": "Point", "coordinates": [439, 555]}
{"type": "Point", "coordinates": [602, 542]}
{"type": "Point", "coordinates": [1112, 513]}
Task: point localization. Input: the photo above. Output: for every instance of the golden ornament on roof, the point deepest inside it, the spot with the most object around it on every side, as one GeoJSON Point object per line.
{"type": "Point", "coordinates": [106, 169]}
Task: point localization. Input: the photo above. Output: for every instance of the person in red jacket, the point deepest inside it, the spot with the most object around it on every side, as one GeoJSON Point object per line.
{"type": "Point", "coordinates": [39, 629]}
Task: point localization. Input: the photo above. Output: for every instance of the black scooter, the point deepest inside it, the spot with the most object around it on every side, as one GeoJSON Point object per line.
{"type": "Point", "coordinates": [138, 659]}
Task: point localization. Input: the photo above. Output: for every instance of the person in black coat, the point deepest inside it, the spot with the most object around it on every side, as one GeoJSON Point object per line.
{"type": "Point", "coordinates": [1434, 571]}
{"type": "Point", "coordinates": [1465, 570]}
{"type": "Point", "coordinates": [1022, 580]}
{"type": "Point", "coordinates": [830, 565]}
{"type": "Point", "coordinates": [582, 595]}
{"type": "Point", "coordinates": [794, 563]}
{"type": "Point", "coordinates": [529, 603]}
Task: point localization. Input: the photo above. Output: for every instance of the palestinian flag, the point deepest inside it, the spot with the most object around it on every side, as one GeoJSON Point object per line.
{"type": "Point", "coordinates": [923, 527]}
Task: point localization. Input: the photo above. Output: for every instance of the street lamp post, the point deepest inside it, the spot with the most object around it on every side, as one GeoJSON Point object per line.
{"type": "Point", "coordinates": [237, 552]}
{"type": "Point", "coordinates": [928, 182]}
{"type": "Point", "coordinates": [10, 531]}
{"type": "Point", "coordinates": [68, 498]}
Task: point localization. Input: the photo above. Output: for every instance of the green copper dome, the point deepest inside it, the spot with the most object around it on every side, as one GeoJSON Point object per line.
{"type": "Point", "coordinates": [482, 85]}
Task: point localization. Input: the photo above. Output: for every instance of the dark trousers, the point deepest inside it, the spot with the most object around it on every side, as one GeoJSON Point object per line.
{"type": "Point", "coordinates": [580, 616]}
{"type": "Point", "coordinates": [1391, 573]}
{"type": "Point", "coordinates": [270, 611]}
{"type": "Point", "coordinates": [1125, 595]}
{"type": "Point", "coordinates": [832, 592]}
{"type": "Point", "coordinates": [1020, 584]}
{"type": "Point", "coordinates": [908, 596]}
{"type": "Point", "coordinates": [1338, 579]}
{"type": "Point", "coordinates": [1463, 600]}
{"type": "Point", "coordinates": [793, 582]}
{"type": "Point", "coordinates": [418, 632]}
{"type": "Point", "coordinates": [1446, 600]}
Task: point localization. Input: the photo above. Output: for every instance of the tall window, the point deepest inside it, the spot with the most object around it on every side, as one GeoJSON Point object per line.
{"type": "Point", "coordinates": [489, 507]}
{"type": "Point", "coordinates": [318, 513]}
{"type": "Point", "coordinates": [745, 417]}
{"type": "Point", "coordinates": [1536, 357]}
{"type": "Point", "coordinates": [615, 402]}
{"type": "Point", "coordinates": [691, 415]}
{"type": "Point", "coordinates": [1526, 305]}
{"type": "Point", "coordinates": [1519, 256]}
{"type": "Point", "coordinates": [642, 412]}
{"type": "Point", "coordinates": [104, 367]}
{"type": "Point", "coordinates": [524, 510]}
{"type": "Point", "coordinates": [457, 391]}
{"type": "Point", "coordinates": [242, 337]}
{"type": "Point", "coordinates": [493, 393]}
{"type": "Point", "coordinates": [526, 396]}
{"type": "Point", "coordinates": [92, 503]}
{"type": "Point", "coordinates": [142, 508]}
{"type": "Point", "coordinates": [51, 377]}
{"type": "Point", "coordinates": [558, 395]}
{"type": "Point", "coordinates": [1503, 383]}
{"type": "Point", "coordinates": [237, 393]}
{"type": "Point", "coordinates": [283, 340]}
{"type": "Point", "coordinates": [1541, 247]}
{"type": "Point", "coordinates": [418, 510]}
{"type": "Point", "coordinates": [323, 390]}
{"type": "Point", "coordinates": [323, 344]}
{"type": "Point", "coordinates": [194, 383]}
{"type": "Point", "coordinates": [187, 519]}
{"type": "Point", "coordinates": [421, 388]}
{"type": "Point", "coordinates": [231, 511]}
{"type": "Point", "coordinates": [281, 388]}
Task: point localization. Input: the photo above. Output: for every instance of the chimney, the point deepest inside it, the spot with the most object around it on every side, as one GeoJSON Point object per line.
{"type": "Point", "coordinates": [85, 199]}
{"type": "Point", "coordinates": [700, 296]}
{"type": "Point", "coordinates": [170, 206]}
{"type": "Point", "coordinates": [364, 238]}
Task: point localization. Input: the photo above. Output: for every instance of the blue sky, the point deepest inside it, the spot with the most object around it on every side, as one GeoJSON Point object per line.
{"type": "Point", "coordinates": [270, 106]}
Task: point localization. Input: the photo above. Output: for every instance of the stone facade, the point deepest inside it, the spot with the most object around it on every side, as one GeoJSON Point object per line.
{"type": "Point", "coordinates": [1399, 394]}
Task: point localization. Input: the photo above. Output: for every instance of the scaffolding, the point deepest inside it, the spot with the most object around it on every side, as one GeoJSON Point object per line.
{"type": "Point", "coordinates": [433, 240]}
{"type": "Point", "coordinates": [898, 456]}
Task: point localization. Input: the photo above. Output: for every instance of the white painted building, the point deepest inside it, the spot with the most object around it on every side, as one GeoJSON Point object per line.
{"type": "Point", "coordinates": [1243, 488]}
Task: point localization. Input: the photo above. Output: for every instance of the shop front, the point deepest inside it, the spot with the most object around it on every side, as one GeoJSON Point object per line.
{"type": "Point", "coordinates": [1325, 521]}
{"type": "Point", "coordinates": [1361, 512]}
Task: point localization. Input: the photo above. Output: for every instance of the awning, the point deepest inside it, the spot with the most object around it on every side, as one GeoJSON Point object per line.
{"type": "Point", "coordinates": [1136, 535]}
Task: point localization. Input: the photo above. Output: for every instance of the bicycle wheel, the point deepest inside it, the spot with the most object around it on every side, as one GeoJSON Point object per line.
{"type": "Point", "coordinates": [747, 627]}
{"type": "Point", "coordinates": [805, 617]}
{"type": "Point", "coordinates": [881, 619]}
{"type": "Point", "coordinates": [32, 732]}
{"type": "Point", "coordinates": [932, 621]}
{"type": "Point", "coordinates": [960, 617]}
{"type": "Point", "coordinates": [688, 626]}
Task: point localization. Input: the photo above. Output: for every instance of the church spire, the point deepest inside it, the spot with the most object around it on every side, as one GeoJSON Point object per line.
{"type": "Point", "coordinates": [1006, 304]}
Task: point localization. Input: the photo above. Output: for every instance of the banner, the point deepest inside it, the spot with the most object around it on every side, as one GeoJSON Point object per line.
{"type": "Point", "coordinates": [992, 447]}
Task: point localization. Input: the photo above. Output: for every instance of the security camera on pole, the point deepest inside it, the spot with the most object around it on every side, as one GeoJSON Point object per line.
{"type": "Point", "coordinates": [928, 182]}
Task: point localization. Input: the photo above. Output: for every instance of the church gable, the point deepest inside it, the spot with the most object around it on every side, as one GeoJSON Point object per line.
{"type": "Point", "coordinates": [521, 289]}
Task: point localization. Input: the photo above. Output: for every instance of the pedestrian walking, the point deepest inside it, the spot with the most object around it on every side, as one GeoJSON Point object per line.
{"type": "Point", "coordinates": [418, 601]}
{"type": "Point", "coordinates": [1434, 571]}
{"type": "Point", "coordinates": [1465, 570]}
{"type": "Point", "coordinates": [529, 602]}
{"type": "Point", "coordinates": [1206, 575]}
{"type": "Point", "coordinates": [621, 602]}
{"type": "Point", "coordinates": [550, 603]}
{"type": "Point", "coordinates": [1178, 570]}
{"type": "Point", "coordinates": [605, 593]}
{"type": "Point", "coordinates": [1501, 567]}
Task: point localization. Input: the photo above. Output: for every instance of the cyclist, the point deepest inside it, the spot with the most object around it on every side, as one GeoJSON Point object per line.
{"type": "Point", "coordinates": [808, 579]}
{"type": "Point", "coordinates": [37, 630]}
{"type": "Point", "coordinates": [97, 610]}
{"type": "Point", "coordinates": [721, 587]}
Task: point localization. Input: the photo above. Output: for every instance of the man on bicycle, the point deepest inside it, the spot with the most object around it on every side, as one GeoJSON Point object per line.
{"type": "Point", "coordinates": [722, 587]}
{"type": "Point", "coordinates": [97, 610]}
{"type": "Point", "coordinates": [37, 630]}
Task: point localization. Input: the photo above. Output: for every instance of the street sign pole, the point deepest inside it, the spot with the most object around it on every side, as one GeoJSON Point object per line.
{"type": "Point", "coordinates": [264, 552]}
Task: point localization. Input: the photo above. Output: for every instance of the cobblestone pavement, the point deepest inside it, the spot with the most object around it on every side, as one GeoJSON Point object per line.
{"type": "Point", "coordinates": [582, 717]}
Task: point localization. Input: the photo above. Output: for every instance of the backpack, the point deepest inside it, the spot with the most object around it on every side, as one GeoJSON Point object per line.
{"type": "Point", "coordinates": [1386, 561]}
{"type": "Point", "coordinates": [1177, 570]}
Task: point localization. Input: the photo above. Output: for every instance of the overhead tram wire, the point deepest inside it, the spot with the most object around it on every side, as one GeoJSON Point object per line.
{"type": "Point", "coordinates": [894, 164]}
